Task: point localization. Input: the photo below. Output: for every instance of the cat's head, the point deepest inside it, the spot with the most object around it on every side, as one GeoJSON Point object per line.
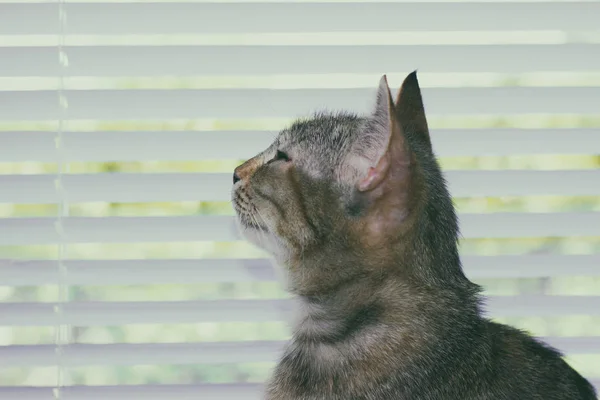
{"type": "Point", "coordinates": [338, 195]}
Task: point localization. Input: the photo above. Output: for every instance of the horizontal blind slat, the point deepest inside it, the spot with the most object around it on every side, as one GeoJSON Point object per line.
{"type": "Point", "coordinates": [179, 312]}
{"type": "Point", "coordinates": [107, 61]}
{"type": "Point", "coordinates": [161, 18]}
{"type": "Point", "coordinates": [223, 391]}
{"type": "Point", "coordinates": [169, 187]}
{"type": "Point", "coordinates": [196, 145]}
{"type": "Point", "coordinates": [27, 393]}
{"type": "Point", "coordinates": [231, 391]}
{"type": "Point", "coordinates": [191, 271]}
{"type": "Point", "coordinates": [28, 19]}
{"type": "Point", "coordinates": [77, 355]}
{"type": "Point", "coordinates": [134, 272]}
{"type": "Point", "coordinates": [24, 231]}
{"type": "Point", "coordinates": [256, 103]}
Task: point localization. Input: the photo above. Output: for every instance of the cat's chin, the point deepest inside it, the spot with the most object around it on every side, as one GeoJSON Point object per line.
{"type": "Point", "coordinates": [265, 240]}
{"type": "Point", "coordinates": [256, 234]}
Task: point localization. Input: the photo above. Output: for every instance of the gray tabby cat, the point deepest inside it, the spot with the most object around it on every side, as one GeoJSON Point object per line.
{"type": "Point", "coordinates": [356, 211]}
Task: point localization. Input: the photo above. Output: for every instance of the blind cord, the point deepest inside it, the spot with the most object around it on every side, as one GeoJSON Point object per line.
{"type": "Point", "coordinates": [62, 330]}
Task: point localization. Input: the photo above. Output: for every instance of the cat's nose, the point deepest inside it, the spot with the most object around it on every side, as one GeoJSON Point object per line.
{"type": "Point", "coordinates": [244, 172]}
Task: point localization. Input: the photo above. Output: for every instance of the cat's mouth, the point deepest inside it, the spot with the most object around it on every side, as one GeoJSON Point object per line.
{"type": "Point", "coordinates": [246, 212]}
{"type": "Point", "coordinates": [249, 222]}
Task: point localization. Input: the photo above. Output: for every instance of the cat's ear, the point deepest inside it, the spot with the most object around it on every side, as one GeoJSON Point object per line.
{"type": "Point", "coordinates": [394, 158]}
{"type": "Point", "coordinates": [410, 111]}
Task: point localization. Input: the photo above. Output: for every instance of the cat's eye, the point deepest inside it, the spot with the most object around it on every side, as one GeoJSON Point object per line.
{"type": "Point", "coordinates": [280, 156]}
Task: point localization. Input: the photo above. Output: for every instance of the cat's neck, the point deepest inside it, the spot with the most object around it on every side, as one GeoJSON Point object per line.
{"type": "Point", "coordinates": [338, 312]}
{"type": "Point", "coordinates": [368, 301]}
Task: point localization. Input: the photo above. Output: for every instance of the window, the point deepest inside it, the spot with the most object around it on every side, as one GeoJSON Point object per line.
{"type": "Point", "coordinates": [120, 125]}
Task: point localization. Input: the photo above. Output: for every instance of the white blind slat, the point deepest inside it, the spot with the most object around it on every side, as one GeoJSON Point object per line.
{"type": "Point", "coordinates": [255, 103]}
{"type": "Point", "coordinates": [223, 391]}
{"type": "Point", "coordinates": [190, 271]}
{"type": "Point", "coordinates": [27, 393]}
{"type": "Point", "coordinates": [179, 312]}
{"type": "Point", "coordinates": [24, 231]}
{"type": "Point", "coordinates": [76, 355]}
{"type": "Point", "coordinates": [157, 18]}
{"type": "Point", "coordinates": [194, 145]}
{"type": "Point", "coordinates": [265, 60]}
{"type": "Point", "coordinates": [158, 353]}
{"type": "Point", "coordinates": [131, 272]}
{"type": "Point", "coordinates": [166, 187]}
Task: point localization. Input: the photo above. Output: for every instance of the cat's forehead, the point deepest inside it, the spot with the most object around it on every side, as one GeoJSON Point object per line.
{"type": "Point", "coordinates": [322, 132]}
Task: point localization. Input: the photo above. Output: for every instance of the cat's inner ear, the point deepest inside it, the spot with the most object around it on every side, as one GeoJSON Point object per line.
{"type": "Point", "coordinates": [410, 111]}
{"type": "Point", "coordinates": [394, 159]}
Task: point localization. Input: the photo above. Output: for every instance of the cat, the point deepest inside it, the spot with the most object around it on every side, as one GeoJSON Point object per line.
{"type": "Point", "coordinates": [356, 212]}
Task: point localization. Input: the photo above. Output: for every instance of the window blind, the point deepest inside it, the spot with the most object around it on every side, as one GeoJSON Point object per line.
{"type": "Point", "coordinates": [121, 272]}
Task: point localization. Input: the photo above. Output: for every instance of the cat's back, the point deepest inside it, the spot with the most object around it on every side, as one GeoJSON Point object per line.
{"type": "Point", "coordinates": [525, 368]}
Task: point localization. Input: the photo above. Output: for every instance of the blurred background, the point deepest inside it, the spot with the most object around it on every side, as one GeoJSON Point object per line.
{"type": "Point", "coordinates": [145, 83]}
